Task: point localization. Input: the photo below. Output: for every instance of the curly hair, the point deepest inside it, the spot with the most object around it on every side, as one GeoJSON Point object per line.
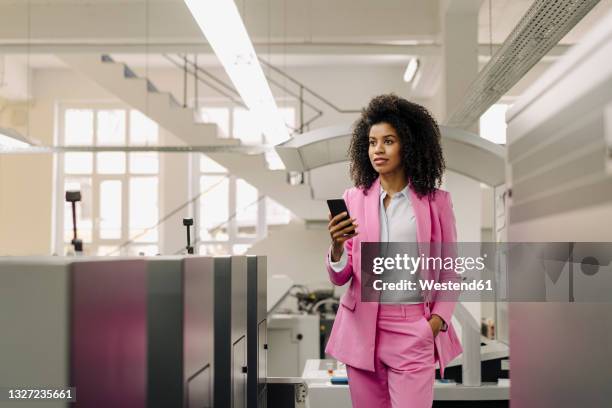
{"type": "Point", "coordinates": [419, 138]}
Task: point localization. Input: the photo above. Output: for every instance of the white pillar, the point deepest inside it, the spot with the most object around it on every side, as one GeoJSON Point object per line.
{"type": "Point", "coordinates": [459, 38]}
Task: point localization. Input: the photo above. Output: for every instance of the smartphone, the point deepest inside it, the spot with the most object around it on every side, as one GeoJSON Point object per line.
{"type": "Point", "coordinates": [338, 206]}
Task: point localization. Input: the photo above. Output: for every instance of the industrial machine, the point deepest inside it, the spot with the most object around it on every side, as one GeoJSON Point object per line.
{"type": "Point", "coordinates": [79, 322]}
{"type": "Point", "coordinates": [559, 170]}
{"type": "Point", "coordinates": [137, 332]}
{"type": "Point", "coordinates": [297, 336]}
{"type": "Point", "coordinates": [257, 332]}
{"type": "Point", "coordinates": [230, 332]}
{"type": "Point", "coordinates": [180, 331]}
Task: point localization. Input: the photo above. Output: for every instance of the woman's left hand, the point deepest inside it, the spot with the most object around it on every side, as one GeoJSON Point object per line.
{"type": "Point", "coordinates": [435, 322]}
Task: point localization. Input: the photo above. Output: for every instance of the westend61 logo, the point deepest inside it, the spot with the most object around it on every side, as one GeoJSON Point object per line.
{"type": "Point", "coordinates": [399, 272]}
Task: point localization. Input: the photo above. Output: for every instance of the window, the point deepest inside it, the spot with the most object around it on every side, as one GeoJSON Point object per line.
{"type": "Point", "coordinates": [231, 214]}
{"type": "Point", "coordinates": [238, 122]}
{"type": "Point", "coordinates": [119, 209]}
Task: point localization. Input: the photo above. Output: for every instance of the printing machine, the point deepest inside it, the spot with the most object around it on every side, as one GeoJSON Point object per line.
{"type": "Point", "coordinates": [207, 331]}
{"type": "Point", "coordinates": [77, 322]}
{"type": "Point", "coordinates": [180, 331]}
{"type": "Point", "coordinates": [208, 315]}
{"type": "Point", "coordinates": [240, 332]}
{"type": "Point", "coordinates": [34, 305]}
{"type": "Point", "coordinates": [224, 301]}
{"type": "Point", "coordinates": [136, 332]}
{"type": "Point", "coordinates": [559, 169]}
{"type": "Point", "coordinates": [230, 341]}
{"type": "Point", "coordinates": [257, 332]}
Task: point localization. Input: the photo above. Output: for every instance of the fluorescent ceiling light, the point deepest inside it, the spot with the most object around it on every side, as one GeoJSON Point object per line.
{"type": "Point", "coordinates": [10, 138]}
{"type": "Point", "coordinates": [411, 69]}
{"type": "Point", "coordinates": [220, 22]}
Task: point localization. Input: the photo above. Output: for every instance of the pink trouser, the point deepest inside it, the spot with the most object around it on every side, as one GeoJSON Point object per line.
{"type": "Point", "coordinates": [403, 362]}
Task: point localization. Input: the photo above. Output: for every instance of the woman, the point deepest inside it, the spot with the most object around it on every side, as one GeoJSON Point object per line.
{"type": "Point", "coordinates": [390, 350]}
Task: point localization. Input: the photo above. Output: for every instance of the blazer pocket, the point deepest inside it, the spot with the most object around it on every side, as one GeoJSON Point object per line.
{"type": "Point", "coordinates": [348, 301]}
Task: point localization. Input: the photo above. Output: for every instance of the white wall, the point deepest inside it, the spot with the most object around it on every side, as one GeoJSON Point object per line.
{"type": "Point", "coordinates": [467, 203]}
{"type": "Point", "coordinates": [27, 180]}
{"type": "Point", "coordinates": [298, 252]}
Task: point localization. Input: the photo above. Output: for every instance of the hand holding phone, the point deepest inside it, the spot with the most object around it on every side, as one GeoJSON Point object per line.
{"type": "Point", "coordinates": [341, 227]}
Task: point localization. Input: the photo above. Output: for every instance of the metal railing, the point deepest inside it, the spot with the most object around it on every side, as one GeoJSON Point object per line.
{"type": "Point", "coordinates": [220, 225]}
{"type": "Point", "coordinates": [302, 93]}
{"type": "Point", "coordinates": [173, 213]}
{"type": "Point", "coordinates": [169, 215]}
{"type": "Point", "coordinates": [191, 68]}
{"type": "Point", "coordinates": [303, 90]}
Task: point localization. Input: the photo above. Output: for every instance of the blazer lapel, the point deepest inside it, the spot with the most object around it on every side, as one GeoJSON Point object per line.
{"type": "Point", "coordinates": [422, 214]}
{"type": "Point", "coordinates": [372, 208]}
{"type": "Point", "coordinates": [372, 227]}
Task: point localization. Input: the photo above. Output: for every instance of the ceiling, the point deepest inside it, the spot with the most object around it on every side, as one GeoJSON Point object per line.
{"type": "Point", "coordinates": [281, 30]}
{"type": "Point", "coordinates": [313, 14]}
{"type": "Point", "coordinates": [383, 33]}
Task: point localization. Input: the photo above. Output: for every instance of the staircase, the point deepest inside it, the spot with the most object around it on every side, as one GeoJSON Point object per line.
{"type": "Point", "coordinates": [161, 107]}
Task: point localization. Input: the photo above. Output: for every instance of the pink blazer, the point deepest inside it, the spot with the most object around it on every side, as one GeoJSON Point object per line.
{"type": "Point", "coordinates": [354, 330]}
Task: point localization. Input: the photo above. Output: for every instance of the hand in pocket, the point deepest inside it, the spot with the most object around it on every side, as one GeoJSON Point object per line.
{"type": "Point", "coordinates": [435, 324]}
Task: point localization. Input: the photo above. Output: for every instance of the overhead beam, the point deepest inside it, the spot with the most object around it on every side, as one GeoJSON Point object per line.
{"type": "Point", "coordinates": [262, 48]}
{"type": "Point", "coordinates": [159, 22]}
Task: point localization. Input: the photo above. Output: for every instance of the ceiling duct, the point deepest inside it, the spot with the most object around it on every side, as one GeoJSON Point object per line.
{"type": "Point", "coordinates": [540, 29]}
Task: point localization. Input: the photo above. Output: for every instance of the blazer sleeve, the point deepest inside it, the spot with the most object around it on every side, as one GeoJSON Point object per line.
{"type": "Point", "coordinates": [342, 277]}
{"type": "Point", "coordinates": [446, 306]}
